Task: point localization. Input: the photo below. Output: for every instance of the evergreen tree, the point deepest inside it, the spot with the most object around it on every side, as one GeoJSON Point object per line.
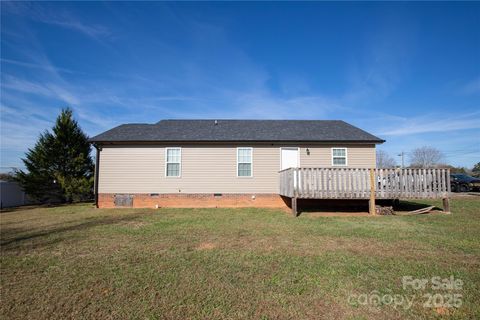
{"type": "Point", "coordinates": [59, 167]}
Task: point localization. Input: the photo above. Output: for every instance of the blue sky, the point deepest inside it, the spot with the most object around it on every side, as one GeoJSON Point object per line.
{"type": "Point", "coordinates": [407, 72]}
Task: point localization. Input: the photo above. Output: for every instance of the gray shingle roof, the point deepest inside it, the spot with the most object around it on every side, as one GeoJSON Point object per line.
{"type": "Point", "coordinates": [237, 130]}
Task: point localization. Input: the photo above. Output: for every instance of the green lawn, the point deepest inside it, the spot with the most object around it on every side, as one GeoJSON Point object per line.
{"type": "Point", "coordinates": [80, 262]}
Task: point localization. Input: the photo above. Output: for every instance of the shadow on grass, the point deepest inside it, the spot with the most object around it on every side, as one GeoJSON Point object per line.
{"type": "Point", "coordinates": [40, 206]}
{"type": "Point", "coordinates": [26, 208]}
{"type": "Point", "coordinates": [354, 206]}
{"type": "Point", "coordinates": [14, 237]}
{"type": "Point", "coordinates": [411, 206]}
{"type": "Point", "coordinates": [306, 206]}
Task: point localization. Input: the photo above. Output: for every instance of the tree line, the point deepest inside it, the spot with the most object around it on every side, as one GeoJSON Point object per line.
{"type": "Point", "coordinates": [424, 157]}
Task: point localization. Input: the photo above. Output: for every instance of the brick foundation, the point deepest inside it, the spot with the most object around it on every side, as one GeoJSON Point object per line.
{"type": "Point", "coordinates": [202, 200]}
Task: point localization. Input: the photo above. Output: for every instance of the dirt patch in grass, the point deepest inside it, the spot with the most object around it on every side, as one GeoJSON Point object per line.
{"type": "Point", "coordinates": [206, 246]}
{"type": "Point", "coordinates": [316, 214]}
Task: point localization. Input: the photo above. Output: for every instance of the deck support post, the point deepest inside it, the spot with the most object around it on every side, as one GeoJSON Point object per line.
{"type": "Point", "coordinates": [371, 207]}
{"type": "Point", "coordinates": [446, 205]}
{"type": "Point", "coordinates": [371, 202]}
{"type": "Point", "coordinates": [294, 206]}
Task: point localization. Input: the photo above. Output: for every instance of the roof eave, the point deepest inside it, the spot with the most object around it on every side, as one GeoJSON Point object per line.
{"type": "Point", "coordinates": [93, 141]}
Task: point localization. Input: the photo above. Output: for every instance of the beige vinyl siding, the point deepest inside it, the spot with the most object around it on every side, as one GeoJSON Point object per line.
{"type": "Point", "coordinates": [203, 170]}
{"type": "Point", "coordinates": [130, 169]}
{"type": "Point", "coordinates": [208, 169]}
{"type": "Point", "coordinates": [358, 156]}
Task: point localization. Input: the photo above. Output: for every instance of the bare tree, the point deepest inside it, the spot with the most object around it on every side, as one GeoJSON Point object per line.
{"type": "Point", "coordinates": [384, 160]}
{"type": "Point", "coordinates": [425, 157]}
{"type": "Point", "coordinates": [476, 170]}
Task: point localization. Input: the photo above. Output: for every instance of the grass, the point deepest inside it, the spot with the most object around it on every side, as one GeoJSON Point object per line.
{"type": "Point", "coordinates": [85, 263]}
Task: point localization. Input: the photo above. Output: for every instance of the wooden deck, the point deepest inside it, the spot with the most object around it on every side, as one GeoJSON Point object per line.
{"type": "Point", "coordinates": [364, 183]}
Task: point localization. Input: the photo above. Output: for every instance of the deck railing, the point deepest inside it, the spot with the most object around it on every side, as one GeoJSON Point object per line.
{"type": "Point", "coordinates": [355, 183]}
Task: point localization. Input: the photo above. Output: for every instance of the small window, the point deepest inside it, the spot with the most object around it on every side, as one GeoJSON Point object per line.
{"type": "Point", "coordinates": [339, 156]}
{"type": "Point", "coordinates": [173, 162]}
{"type": "Point", "coordinates": [244, 162]}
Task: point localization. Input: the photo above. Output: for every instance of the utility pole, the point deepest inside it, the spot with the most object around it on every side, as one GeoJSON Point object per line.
{"type": "Point", "coordinates": [402, 154]}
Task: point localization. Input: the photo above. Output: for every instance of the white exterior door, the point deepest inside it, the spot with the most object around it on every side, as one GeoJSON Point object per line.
{"type": "Point", "coordinates": [289, 158]}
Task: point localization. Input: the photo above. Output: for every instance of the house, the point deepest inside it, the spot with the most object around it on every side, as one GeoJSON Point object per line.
{"type": "Point", "coordinates": [224, 163]}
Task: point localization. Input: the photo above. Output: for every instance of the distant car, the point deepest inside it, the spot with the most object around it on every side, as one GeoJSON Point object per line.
{"type": "Point", "coordinates": [463, 183]}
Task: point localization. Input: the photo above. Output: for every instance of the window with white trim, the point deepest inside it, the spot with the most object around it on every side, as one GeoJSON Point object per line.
{"type": "Point", "coordinates": [339, 156]}
{"type": "Point", "coordinates": [173, 162]}
{"type": "Point", "coordinates": [244, 162]}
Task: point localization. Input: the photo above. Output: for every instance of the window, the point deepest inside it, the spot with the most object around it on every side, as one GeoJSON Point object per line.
{"type": "Point", "coordinates": [173, 162]}
{"type": "Point", "coordinates": [244, 162]}
{"type": "Point", "coordinates": [339, 156]}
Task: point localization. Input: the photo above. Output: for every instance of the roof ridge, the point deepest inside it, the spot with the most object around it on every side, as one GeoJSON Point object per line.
{"type": "Point", "coordinates": [239, 130]}
{"type": "Point", "coordinates": [220, 119]}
